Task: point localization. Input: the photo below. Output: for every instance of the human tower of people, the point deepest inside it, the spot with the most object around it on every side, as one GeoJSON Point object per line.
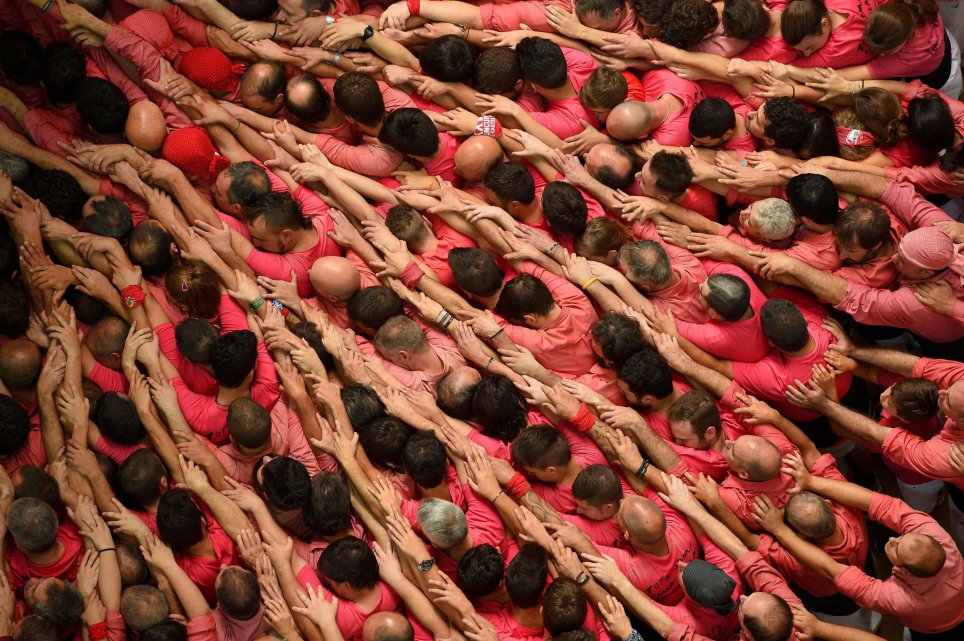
{"type": "Point", "coordinates": [575, 320]}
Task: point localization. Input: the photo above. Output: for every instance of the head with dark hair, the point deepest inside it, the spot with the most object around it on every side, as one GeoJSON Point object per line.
{"type": "Point", "coordinates": [233, 357]}
{"type": "Point", "coordinates": [543, 63]}
{"type": "Point", "coordinates": [169, 630]}
{"type": "Point", "coordinates": [102, 105]}
{"type": "Point", "coordinates": [20, 365]}
{"type": "Point", "coordinates": [766, 617]}
{"type": "Point", "coordinates": [349, 567]}
{"type": "Point", "coordinates": [359, 98]}
{"type": "Point", "coordinates": [195, 288]}
{"type": "Point", "coordinates": [36, 628]}
{"type": "Point", "coordinates": [543, 452]}
{"type": "Point", "coordinates": [329, 507]}
{"type": "Point", "coordinates": [9, 254]}
{"type": "Point", "coordinates": [525, 300]}
{"type": "Point", "coordinates": [687, 22]}
{"type": "Point", "coordinates": [891, 24]}
{"type": "Point", "coordinates": [117, 419]}
{"type": "Point", "coordinates": [861, 231]}
{"type": "Point", "coordinates": [564, 207]}
{"type": "Point", "coordinates": [694, 420]}
{"type": "Point", "coordinates": [526, 576]}
{"type": "Point", "coordinates": [646, 265]}
{"type": "Point", "coordinates": [456, 391]}
{"type": "Point", "coordinates": [510, 186]}
{"type": "Point", "coordinates": [481, 570]}
{"type": "Point", "coordinates": [149, 246]}
{"type": "Point", "coordinates": [58, 191]}
{"type": "Point", "coordinates": [362, 405]}
{"type": "Point", "coordinates": [54, 600]}
{"type": "Point", "coordinates": [411, 132]}
{"type": "Point", "coordinates": [649, 13]}
{"type": "Point", "coordinates": [645, 374]}
{"type": "Point", "coordinates": [142, 476]}
{"type": "Point", "coordinates": [239, 185]}
{"type": "Point", "coordinates": [725, 296]}
{"type": "Point", "coordinates": [601, 240]}
{"type": "Point", "coordinates": [883, 115]}
{"type": "Point", "coordinates": [779, 122]}
{"type": "Point", "coordinates": [784, 325]}
{"type": "Point", "coordinates": [107, 216]}
{"type": "Point", "coordinates": [407, 224]}
{"type": "Point", "coordinates": [384, 440]}
{"type": "Point", "coordinates": [21, 57]}
{"type": "Point", "coordinates": [930, 123]}
{"type": "Point", "coordinates": [249, 425]}
{"type": "Point", "coordinates": [666, 176]}
{"type": "Point", "coordinates": [130, 561]}
{"type": "Point", "coordinates": [499, 407]}
{"type": "Point", "coordinates": [449, 59]}
{"type": "Point", "coordinates": [712, 121]}
{"type": "Point", "coordinates": [252, 9]}
{"type": "Point", "coordinates": [564, 607]}
{"type": "Point", "coordinates": [616, 337]}
{"type": "Point", "coordinates": [194, 338]}
{"type": "Point", "coordinates": [180, 522]}
{"type": "Point", "coordinates": [239, 596]}
{"type": "Point", "coordinates": [88, 309]}
{"type": "Point", "coordinates": [745, 19]}
{"type": "Point", "coordinates": [597, 491]}
{"type": "Point", "coordinates": [17, 168]}
{"type": "Point", "coordinates": [425, 459]}
{"type": "Point", "coordinates": [805, 25]}
{"type": "Point", "coordinates": [143, 607]}
{"type": "Point", "coordinates": [14, 310]}
{"type": "Point", "coordinates": [581, 634]}
{"type": "Point", "coordinates": [498, 72]}
{"type": "Point", "coordinates": [820, 138]}
{"type": "Point", "coordinates": [370, 307]}
{"type": "Point", "coordinates": [33, 525]}
{"type": "Point", "coordinates": [36, 483]}
{"type": "Point", "coordinates": [275, 221]}
{"type": "Point", "coordinates": [814, 197]}
{"type": "Point", "coordinates": [310, 333]}
{"type": "Point", "coordinates": [475, 271]}
{"type": "Point", "coordinates": [614, 165]}
{"type": "Point", "coordinates": [911, 399]}
{"type": "Point", "coordinates": [63, 68]}
{"type": "Point", "coordinates": [262, 87]}
{"type": "Point", "coordinates": [602, 15]}
{"type": "Point", "coordinates": [284, 481]}
{"type": "Point", "coordinates": [307, 99]}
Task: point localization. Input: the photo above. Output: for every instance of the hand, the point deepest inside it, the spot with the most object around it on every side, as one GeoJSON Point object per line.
{"type": "Point", "coordinates": [279, 617]}
{"type": "Point", "coordinates": [826, 379]}
{"type": "Point", "coordinates": [829, 81]}
{"type": "Point", "coordinates": [624, 450]}
{"type": "Point", "coordinates": [560, 402]}
{"type": "Point", "coordinates": [278, 551]}
{"type": "Point", "coordinates": [746, 179]}
{"type": "Point", "coordinates": [253, 30]}
{"type": "Point", "coordinates": [396, 75]}
{"type": "Point", "coordinates": [938, 296]}
{"type": "Point", "coordinates": [242, 495]}
{"type": "Point", "coordinates": [403, 537]}
{"type": "Point", "coordinates": [164, 396]}
{"type": "Point", "coordinates": [584, 393]}
{"type": "Point", "coordinates": [576, 269]}
{"type": "Point", "coordinates": [55, 278]}
{"type": "Point", "coordinates": [639, 208]}
{"type": "Point", "coordinates": [73, 406]}
{"type": "Point", "coordinates": [497, 105]}
{"type": "Point", "coordinates": [809, 396]}
{"type": "Point", "coordinates": [136, 338]}
{"type": "Point", "coordinates": [389, 567]}
{"type": "Point", "coordinates": [477, 628]}
{"type": "Point", "coordinates": [566, 560]}
{"type": "Point", "coordinates": [768, 515]}
{"type": "Point", "coordinates": [484, 325]}
{"type": "Point", "coordinates": [429, 88]}
{"type": "Point", "coordinates": [603, 568]}
{"type": "Point", "coordinates": [626, 45]}
{"type": "Point", "coordinates": [794, 466]}
{"type": "Point", "coordinates": [956, 457]}
{"type": "Point", "coordinates": [586, 139]}
{"type": "Point", "coordinates": [614, 617]}
{"type": "Point", "coordinates": [709, 246]}
{"type": "Point", "coordinates": [386, 495]}
{"type": "Point", "coordinates": [377, 231]}
{"type": "Point", "coordinates": [502, 469]}
{"type": "Point", "coordinates": [367, 63]}
{"type": "Point", "coordinates": [532, 528]}
{"type": "Point", "coordinates": [316, 607]}
{"type": "Point", "coordinates": [838, 362]}
{"type": "Point", "coordinates": [94, 610]}
{"type": "Point", "coordinates": [93, 283]}
{"type": "Point", "coordinates": [394, 16]}
{"type": "Point", "coordinates": [567, 534]}
{"type": "Point", "coordinates": [469, 344]}
{"type": "Point", "coordinates": [480, 475]}
{"type": "Point", "coordinates": [249, 547]}
{"type": "Point", "coordinates": [621, 418]}
{"type": "Point", "coordinates": [52, 372]}
{"type": "Point", "coordinates": [678, 494]}
{"type": "Point", "coordinates": [158, 555]}
{"type": "Point", "coordinates": [564, 22]}
{"type": "Point", "coordinates": [843, 345]}
{"type": "Point", "coordinates": [444, 591]}
{"type": "Point", "coordinates": [521, 361]}
{"type": "Point", "coordinates": [195, 478]}
{"type": "Point", "coordinates": [459, 121]}
{"type": "Point", "coordinates": [755, 412]}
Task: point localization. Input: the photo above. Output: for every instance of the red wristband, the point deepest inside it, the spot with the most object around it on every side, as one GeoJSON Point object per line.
{"type": "Point", "coordinates": [488, 126]}
{"type": "Point", "coordinates": [517, 486]}
{"type": "Point", "coordinates": [133, 296]}
{"type": "Point", "coordinates": [414, 7]}
{"type": "Point", "coordinates": [411, 275]}
{"type": "Point", "coordinates": [584, 419]}
{"type": "Point", "coordinates": [97, 631]}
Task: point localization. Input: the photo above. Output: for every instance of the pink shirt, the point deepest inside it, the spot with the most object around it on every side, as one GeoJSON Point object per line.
{"type": "Point", "coordinates": [20, 568]}
{"type": "Point", "coordinates": [370, 157]}
{"type": "Point", "coordinates": [674, 131]}
{"type": "Point", "coordinates": [918, 57]}
{"type": "Point", "coordinates": [845, 47]}
{"type": "Point", "coordinates": [741, 340]}
{"type": "Point", "coordinates": [280, 266]}
{"type": "Point", "coordinates": [682, 298]}
{"type": "Point", "coordinates": [563, 345]}
{"type": "Point", "coordinates": [194, 375]}
{"type": "Point", "coordinates": [443, 165]}
{"type": "Point", "coordinates": [927, 605]}
{"type": "Point", "coordinates": [349, 617]}
{"type": "Point", "coordinates": [231, 629]}
{"type": "Point", "coordinates": [204, 570]}
{"type": "Point", "coordinates": [32, 452]}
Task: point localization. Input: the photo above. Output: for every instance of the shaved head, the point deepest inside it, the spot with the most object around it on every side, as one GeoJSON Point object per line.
{"type": "Point", "coordinates": [387, 626]}
{"type": "Point", "coordinates": [642, 520]}
{"type": "Point", "coordinates": [757, 457]}
{"type": "Point", "coordinates": [628, 121]}
{"type": "Point", "coordinates": [335, 278]}
{"type": "Point", "coordinates": [20, 363]}
{"type": "Point", "coordinates": [476, 156]}
{"type": "Point", "coordinates": [145, 126]}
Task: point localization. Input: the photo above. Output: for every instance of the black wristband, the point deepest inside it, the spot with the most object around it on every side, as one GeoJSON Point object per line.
{"type": "Point", "coordinates": [641, 472]}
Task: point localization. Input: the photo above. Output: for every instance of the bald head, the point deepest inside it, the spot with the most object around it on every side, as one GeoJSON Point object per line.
{"type": "Point", "coordinates": [766, 617]}
{"type": "Point", "coordinates": [387, 626]}
{"type": "Point", "coordinates": [811, 516]}
{"type": "Point", "coordinates": [643, 521]}
{"type": "Point", "coordinates": [145, 127]}
{"type": "Point", "coordinates": [476, 156]}
{"type": "Point", "coordinates": [757, 457]}
{"type": "Point", "coordinates": [628, 121]}
{"type": "Point", "coordinates": [335, 278]}
{"type": "Point", "coordinates": [920, 555]}
{"type": "Point", "coordinates": [20, 364]}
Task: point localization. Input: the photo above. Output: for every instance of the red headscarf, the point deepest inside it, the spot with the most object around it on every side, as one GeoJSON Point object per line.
{"type": "Point", "coordinates": [153, 28]}
{"type": "Point", "coordinates": [210, 69]}
{"type": "Point", "coordinates": [190, 150]}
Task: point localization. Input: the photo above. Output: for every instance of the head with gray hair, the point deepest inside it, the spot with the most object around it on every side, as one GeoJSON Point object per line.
{"type": "Point", "coordinates": [399, 338]}
{"type": "Point", "coordinates": [769, 220]}
{"type": "Point", "coordinates": [646, 265]}
{"type": "Point", "coordinates": [443, 522]}
{"type": "Point", "coordinates": [14, 166]}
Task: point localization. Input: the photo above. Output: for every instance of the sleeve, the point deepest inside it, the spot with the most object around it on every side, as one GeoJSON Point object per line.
{"type": "Point", "coordinates": [231, 316]}
{"type": "Point", "coordinates": [872, 306]}
{"type": "Point", "coordinates": [186, 26]}
{"type": "Point", "coordinates": [365, 159]}
{"type": "Point", "coordinates": [116, 627]}
{"type": "Point", "coordinates": [107, 379]}
{"type": "Point", "coordinates": [561, 122]}
{"type": "Point", "coordinates": [298, 447]}
{"type": "Point", "coordinates": [202, 629]}
{"type": "Point", "coordinates": [276, 266]}
{"type": "Point", "coordinates": [902, 518]}
{"type": "Point", "coordinates": [942, 372]}
{"type": "Point", "coordinates": [194, 407]}
{"type": "Point", "coordinates": [264, 389]}
{"type": "Point", "coordinates": [927, 180]}
{"type": "Point", "coordinates": [910, 451]}
{"type": "Point", "coordinates": [867, 591]}
{"type": "Point", "coordinates": [762, 577]}
{"type": "Point", "coordinates": [683, 632]}
{"type": "Point", "coordinates": [910, 207]}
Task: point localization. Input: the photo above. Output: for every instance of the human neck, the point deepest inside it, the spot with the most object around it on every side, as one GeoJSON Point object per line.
{"type": "Point", "coordinates": [438, 492]}
{"type": "Point", "coordinates": [834, 539]}
{"type": "Point", "coordinates": [304, 239]}
{"type": "Point", "coordinates": [461, 549]}
{"type": "Point", "coordinates": [424, 245]}
{"type": "Point", "coordinates": [50, 556]}
{"type": "Point", "coordinates": [529, 617]}
{"type": "Point", "coordinates": [573, 468]}
{"type": "Point", "coordinates": [806, 349]}
{"type": "Point", "coordinates": [663, 404]}
{"type": "Point", "coordinates": [428, 362]}
{"type": "Point", "coordinates": [564, 92]}
{"type": "Point", "coordinates": [530, 214]}
{"type": "Point", "coordinates": [226, 395]}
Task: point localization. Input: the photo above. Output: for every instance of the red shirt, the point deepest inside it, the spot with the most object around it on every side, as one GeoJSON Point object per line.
{"type": "Point", "coordinates": [674, 131]}
{"type": "Point", "coordinates": [349, 617]}
{"type": "Point", "coordinates": [204, 570]}
{"type": "Point", "coordinates": [845, 47]}
{"type": "Point", "coordinates": [21, 568]}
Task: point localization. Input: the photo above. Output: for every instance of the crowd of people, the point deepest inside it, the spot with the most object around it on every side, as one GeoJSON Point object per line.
{"type": "Point", "coordinates": [573, 320]}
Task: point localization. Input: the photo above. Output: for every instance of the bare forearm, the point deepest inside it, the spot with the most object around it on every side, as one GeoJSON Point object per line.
{"type": "Point", "coordinates": [891, 360]}
{"type": "Point", "coordinates": [843, 492]}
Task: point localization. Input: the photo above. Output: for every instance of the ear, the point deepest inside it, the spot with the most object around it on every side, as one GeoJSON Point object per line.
{"type": "Point", "coordinates": [712, 314]}
{"type": "Point", "coordinates": [727, 135]}
{"type": "Point", "coordinates": [743, 475]}
{"type": "Point", "coordinates": [519, 84]}
{"type": "Point", "coordinates": [769, 142]}
{"type": "Point", "coordinates": [428, 223]}
{"type": "Point", "coordinates": [711, 433]}
{"type": "Point", "coordinates": [662, 198]}
{"type": "Point", "coordinates": [530, 320]}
